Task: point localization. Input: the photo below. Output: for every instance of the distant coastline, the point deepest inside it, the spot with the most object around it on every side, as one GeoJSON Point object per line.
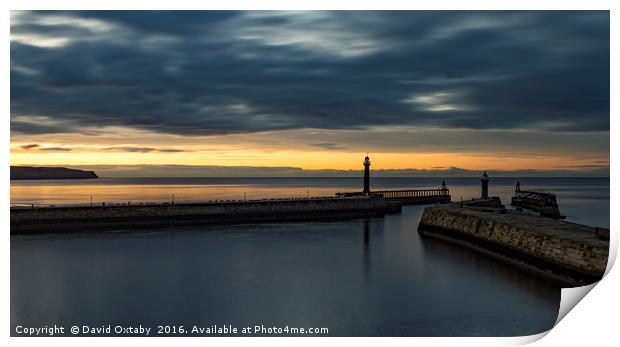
{"type": "Point", "coordinates": [49, 173]}
{"type": "Point", "coordinates": [203, 171]}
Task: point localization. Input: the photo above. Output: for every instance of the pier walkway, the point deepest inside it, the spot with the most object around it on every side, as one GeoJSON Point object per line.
{"type": "Point", "coordinates": [415, 196]}
{"type": "Point", "coordinates": [408, 196]}
{"type": "Point", "coordinates": [110, 216]}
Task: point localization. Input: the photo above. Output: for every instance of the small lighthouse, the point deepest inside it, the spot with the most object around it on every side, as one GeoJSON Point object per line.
{"type": "Point", "coordinates": [366, 176]}
{"type": "Point", "coordinates": [485, 185]}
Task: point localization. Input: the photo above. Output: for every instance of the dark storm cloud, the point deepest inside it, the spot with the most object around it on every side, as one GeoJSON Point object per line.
{"type": "Point", "coordinates": [205, 73]}
{"type": "Point", "coordinates": [141, 149]}
{"type": "Point", "coordinates": [34, 128]}
{"type": "Point", "coordinates": [130, 149]}
{"type": "Point", "coordinates": [327, 145]}
{"type": "Point", "coordinates": [55, 149]}
{"type": "Point", "coordinates": [31, 146]}
{"type": "Point", "coordinates": [171, 150]}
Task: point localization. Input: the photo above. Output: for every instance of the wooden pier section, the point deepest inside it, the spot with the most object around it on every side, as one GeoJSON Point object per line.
{"type": "Point", "coordinates": [409, 196]}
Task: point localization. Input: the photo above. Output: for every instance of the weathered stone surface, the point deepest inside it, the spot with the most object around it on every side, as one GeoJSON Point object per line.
{"type": "Point", "coordinates": [568, 245]}
{"type": "Point", "coordinates": [58, 218]}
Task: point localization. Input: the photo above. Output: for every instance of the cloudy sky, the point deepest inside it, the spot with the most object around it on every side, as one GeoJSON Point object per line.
{"type": "Point", "coordinates": [313, 90]}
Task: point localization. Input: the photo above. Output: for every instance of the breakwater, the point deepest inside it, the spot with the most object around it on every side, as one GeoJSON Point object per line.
{"type": "Point", "coordinates": [408, 196]}
{"type": "Point", "coordinates": [82, 218]}
{"type": "Point", "coordinates": [567, 253]}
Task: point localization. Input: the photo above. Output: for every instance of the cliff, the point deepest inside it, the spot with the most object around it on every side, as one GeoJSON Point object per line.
{"type": "Point", "coordinates": [48, 173]}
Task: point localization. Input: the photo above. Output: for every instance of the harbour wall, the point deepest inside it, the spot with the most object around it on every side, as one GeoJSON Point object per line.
{"type": "Point", "coordinates": [61, 219]}
{"type": "Point", "coordinates": [567, 253]}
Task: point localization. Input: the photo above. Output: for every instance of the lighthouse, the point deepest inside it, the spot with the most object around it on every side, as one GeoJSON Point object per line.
{"type": "Point", "coordinates": [485, 186]}
{"type": "Point", "coordinates": [366, 176]}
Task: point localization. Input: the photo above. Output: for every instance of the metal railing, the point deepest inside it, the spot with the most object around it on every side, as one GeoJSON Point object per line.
{"type": "Point", "coordinates": [548, 199]}
{"type": "Point", "coordinates": [411, 193]}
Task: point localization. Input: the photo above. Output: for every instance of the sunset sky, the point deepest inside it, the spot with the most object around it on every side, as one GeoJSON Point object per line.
{"type": "Point", "coordinates": [313, 90]}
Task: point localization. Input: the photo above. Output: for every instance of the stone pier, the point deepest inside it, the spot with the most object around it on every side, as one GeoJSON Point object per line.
{"type": "Point", "coordinates": [567, 253]}
{"type": "Point", "coordinates": [86, 218]}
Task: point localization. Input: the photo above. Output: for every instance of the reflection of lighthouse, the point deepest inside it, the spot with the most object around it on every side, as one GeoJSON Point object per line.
{"type": "Point", "coordinates": [366, 176]}
{"type": "Point", "coordinates": [485, 186]}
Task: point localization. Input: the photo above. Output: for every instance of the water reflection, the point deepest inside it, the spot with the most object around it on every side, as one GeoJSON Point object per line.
{"type": "Point", "coordinates": [485, 265]}
{"type": "Point", "coordinates": [307, 274]}
{"type": "Point", "coordinates": [366, 244]}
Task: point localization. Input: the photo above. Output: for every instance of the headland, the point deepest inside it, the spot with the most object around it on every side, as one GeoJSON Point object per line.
{"type": "Point", "coordinates": [49, 173]}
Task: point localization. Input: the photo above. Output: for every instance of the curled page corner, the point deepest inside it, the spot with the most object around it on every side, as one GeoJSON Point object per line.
{"type": "Point", "coordinates": [572, 296]}
{"type": "Point", "coordinates": [526, 340]}
{"type": "Point", "coordinates": [613, 252]}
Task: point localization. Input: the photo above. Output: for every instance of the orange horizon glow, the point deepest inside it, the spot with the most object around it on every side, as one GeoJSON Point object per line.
{"type": "Point", "coordinates": [389, 148]}
{"type": "Point", "coordinates": [308, 160]}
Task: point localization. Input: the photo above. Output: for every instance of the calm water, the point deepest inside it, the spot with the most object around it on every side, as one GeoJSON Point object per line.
{"type": "Point", "coordinates": [356, 277]}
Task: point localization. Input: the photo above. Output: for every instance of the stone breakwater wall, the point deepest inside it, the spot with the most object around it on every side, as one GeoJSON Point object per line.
{"type": "Point", "coordinates": [569, 253]}
{"type": "Point", "coordinates": [59, 219]}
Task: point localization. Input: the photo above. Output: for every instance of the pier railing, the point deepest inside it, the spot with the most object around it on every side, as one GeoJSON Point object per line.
{"type": "Point", "coordinates": [426, 195]}
{"type": "Point", "coordinates": [546, 199]}
{"type": "Point", "coordinates": [181, 202]}
{"type": "Point", "coordinates": [544, 203]}
{"type": "Point", "coordinates": [411, 193]}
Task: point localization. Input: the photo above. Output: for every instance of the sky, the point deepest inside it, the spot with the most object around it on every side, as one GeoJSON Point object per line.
{"type": "Point", "coordinates": [417, 90]}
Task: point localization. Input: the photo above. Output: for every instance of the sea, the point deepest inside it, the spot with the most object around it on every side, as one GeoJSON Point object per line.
{"type": "Point", "coordinates": [356, 277]}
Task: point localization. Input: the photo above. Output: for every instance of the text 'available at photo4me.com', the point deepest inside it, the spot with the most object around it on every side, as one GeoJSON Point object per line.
{"type": "Point", "coordinates": [169, 330]}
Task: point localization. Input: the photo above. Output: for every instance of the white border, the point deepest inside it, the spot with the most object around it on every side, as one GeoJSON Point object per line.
{"type": "Point", "coordinates": [593, 322]}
